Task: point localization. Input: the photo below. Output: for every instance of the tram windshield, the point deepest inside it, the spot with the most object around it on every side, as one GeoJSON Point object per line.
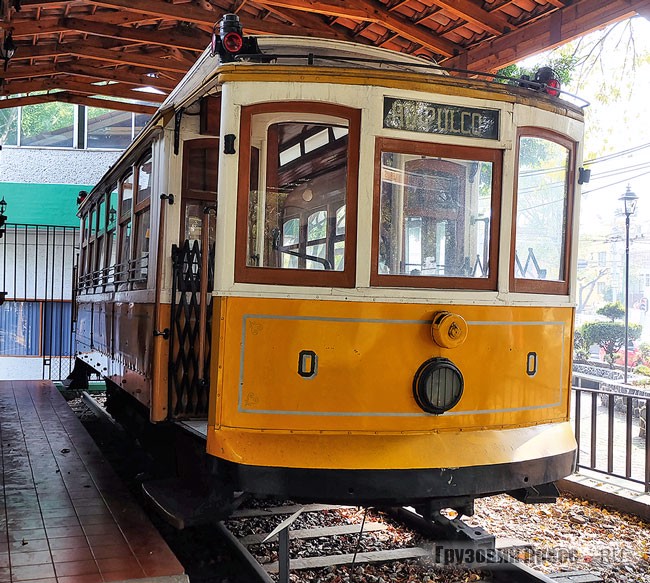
{"type": "Point", "coordinates": [435, 213]}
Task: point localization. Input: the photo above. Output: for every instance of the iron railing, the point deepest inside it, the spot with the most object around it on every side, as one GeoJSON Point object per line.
{"type": "Point", "coordinates": [611, 428]}
{"type": "Point", "coordinates": [36, 271]}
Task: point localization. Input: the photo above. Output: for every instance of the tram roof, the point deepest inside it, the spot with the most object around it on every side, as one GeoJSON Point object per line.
{"type": "Point", "coordinates": [130, 54]}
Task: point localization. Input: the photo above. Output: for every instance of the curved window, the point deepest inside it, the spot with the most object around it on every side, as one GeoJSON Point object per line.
{"type": "Point", "coordinates": [542, 214]}
{"type": "Point", "coordinates": [436, 215]}
{"type": "Point", "coordinates": [297, 197]}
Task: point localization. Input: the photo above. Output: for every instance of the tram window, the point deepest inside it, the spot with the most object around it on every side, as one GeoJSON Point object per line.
{"type": "Point", "coordinates": [112, 207]}
{"type": "Point", "coordinates": [125, 252]}
{"type": "Point", "coordinates": [101, 216]}
{"type": "Point", "coordinates": [294, 215]}
{"type": "Point", "coordinates": [144, 179]}
{"type": "Point", "coordinates": [126, 189]}
{"type": "Point", "coordinates": [111, 234]}
{"type": "Point", "coordinates": [141, 262]}
{"type": "Point", "coordinates": [434, 223]}
{"type": "Point", "coordinates": [93, 223]}
{"type": "Point", "coordinates": [542, 215]}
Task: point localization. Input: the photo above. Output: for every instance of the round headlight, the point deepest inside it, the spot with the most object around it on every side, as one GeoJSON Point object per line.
{"type": "Point", "coordinates": [438, 385]}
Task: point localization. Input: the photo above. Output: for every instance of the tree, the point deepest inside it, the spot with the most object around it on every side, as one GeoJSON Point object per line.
{"type": "Point", "coordinates": [613, 311]}
{"type": "Point", "coordinates": [610, 336]}
{"type": "Point", "coordinates": [580, 347]}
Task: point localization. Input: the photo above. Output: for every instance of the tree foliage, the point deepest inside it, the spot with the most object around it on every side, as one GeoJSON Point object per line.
{"type": "Point", "coordinates": [613, 311]}
{"type": "Point", "coordinates": [580, 346]}
{"type": "Point", "coordinates": [46, 117]}
{"type": "Point", "coordinates": [8, 125]}
{"type": "Point", "coordinates": [610, 336]}
{"type": "Point", "coordinates": [563, 63]}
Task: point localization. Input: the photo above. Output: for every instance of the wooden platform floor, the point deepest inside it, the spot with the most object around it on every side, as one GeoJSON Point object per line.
{"type": "Point", "coordinates": [65, 516]}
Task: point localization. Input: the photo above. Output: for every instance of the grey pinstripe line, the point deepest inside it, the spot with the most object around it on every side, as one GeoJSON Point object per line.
{"type": "Point", "coordinates": [246, 317]}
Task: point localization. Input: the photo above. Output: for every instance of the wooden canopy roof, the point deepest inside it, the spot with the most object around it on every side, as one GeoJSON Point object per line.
{"type": "Point", "coordinates": [79, 50]}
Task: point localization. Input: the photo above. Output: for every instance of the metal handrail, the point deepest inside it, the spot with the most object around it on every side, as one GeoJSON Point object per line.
{"type": "Point", "coordinates": [605, 431]}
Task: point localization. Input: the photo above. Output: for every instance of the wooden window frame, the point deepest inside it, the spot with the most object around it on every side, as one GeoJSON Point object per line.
{"type": "Point", "coordinates": [540, 286]}
{"type": "Point", "coordinates": [187, 193]}
{"type": "Point", "coordinates": [493, 155]}
{"type": "Point", "coordinates": [100, 241]}
{"type": "Point", "coordinates": [123, 219]}
{"type": "Point", "coordinates": [300, 277]}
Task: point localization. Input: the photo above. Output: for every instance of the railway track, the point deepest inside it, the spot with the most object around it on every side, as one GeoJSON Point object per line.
{"type": "Point", "coordinates": [395, 536]}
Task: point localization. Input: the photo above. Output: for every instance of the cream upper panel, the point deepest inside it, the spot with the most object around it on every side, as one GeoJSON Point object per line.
{"type": "Point", "coordinates": [370, 100]}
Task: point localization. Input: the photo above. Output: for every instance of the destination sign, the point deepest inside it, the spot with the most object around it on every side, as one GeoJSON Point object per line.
{"type": "Point", "coordinates": [436, 118]}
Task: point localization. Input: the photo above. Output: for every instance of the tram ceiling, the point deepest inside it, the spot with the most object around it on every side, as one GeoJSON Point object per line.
{"type": "Point", "coordinates": [90, 51]}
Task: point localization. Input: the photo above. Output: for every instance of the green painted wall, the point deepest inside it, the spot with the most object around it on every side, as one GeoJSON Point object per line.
{"type": "Point", "coordinates": [42, 204]}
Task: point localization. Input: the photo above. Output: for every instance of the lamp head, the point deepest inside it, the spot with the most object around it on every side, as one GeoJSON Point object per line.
{"type": "Point", "coordinates": [629, 201]}
{"type": "Point", "coordinates": [8, 48]}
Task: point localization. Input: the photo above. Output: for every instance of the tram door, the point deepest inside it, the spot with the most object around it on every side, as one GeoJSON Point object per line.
{"type": "Point", "coordinates": [193, 281]}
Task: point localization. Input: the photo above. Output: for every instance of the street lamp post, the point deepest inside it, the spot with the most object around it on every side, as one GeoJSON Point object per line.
{"type": "Point", "coordinates": [629, 202]}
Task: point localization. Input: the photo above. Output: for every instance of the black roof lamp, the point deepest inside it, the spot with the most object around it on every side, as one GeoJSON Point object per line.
{"type": "Point", "coordinates": [7, 49]}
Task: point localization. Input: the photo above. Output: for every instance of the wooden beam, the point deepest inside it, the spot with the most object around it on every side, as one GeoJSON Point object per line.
{"type": "Point", "coordinates": [493, 22]}
{"type": "Point", "coordinates": [547, 32]}
{"type": "Point", "coordinates": [85, 87]}
{"type": "Point", "coordinates": [64, 96]}
{"type": "Point", "coordinates": [120, 75]}
{"type": "Point", "coordinates": [413, 32]}
{"type": "Point", "coordinates": [107, 103]}
{"type": "Point", "coordinates": [172, 37]}
{"type": "Point", "coordinates": [338, 8]}
{"type": "Point", "coordinates": [28, 72]}
{"type": "Point", "coordinates": [204, 17]}
{"type": "Point", "coordinates": [164, 10]}
{"type": "Point", "coordinates": [367, 10]}
{"type": "Point", "coordinates": [54, 24]}
{"type": "Point", "coordinates": [87, 49]}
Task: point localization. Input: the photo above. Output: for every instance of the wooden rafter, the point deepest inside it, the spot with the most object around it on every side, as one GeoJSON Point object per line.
{"type": "Point", "coordinates": [86, 50]}
{"type": "Point", "coordinates": [579, 18]}
{"type": "Point", "coordinates": [66, 46]}
{"type": "Point", "coordinates": [372, 11]}
{"type": "Point", "coordinates": [197, 41]}
{"type": "Point", "coordinates": [67, 97]}
{"type": "Point", "coordinates": [493, 22]}
{"type": "Point", "coordinates": [84, 86]}
{"type": "Point", "coordinates": [127, 76]}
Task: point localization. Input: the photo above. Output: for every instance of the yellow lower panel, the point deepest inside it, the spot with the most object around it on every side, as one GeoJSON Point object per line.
{"type": "Point", "coordinates": [367, 355]}
{"type": "Point", "coordinates": [414, 451]}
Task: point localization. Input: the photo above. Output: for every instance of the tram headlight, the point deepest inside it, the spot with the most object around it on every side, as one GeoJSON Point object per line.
{"type": "Point", "coordinates": [438, 385]}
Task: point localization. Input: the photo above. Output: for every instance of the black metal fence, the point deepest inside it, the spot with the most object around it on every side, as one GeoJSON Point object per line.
{"type": "Point", "coordinates": [611, 427]}
{"type": "Point", "coordinates": [37, 265]}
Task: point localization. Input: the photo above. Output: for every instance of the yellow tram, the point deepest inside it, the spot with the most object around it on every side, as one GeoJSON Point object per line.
{"type": "Point", "coordinates": [346, 270]}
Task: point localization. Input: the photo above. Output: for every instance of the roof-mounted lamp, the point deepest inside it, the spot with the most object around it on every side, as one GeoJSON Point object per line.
{"type": "Point", "coordinates": [228, 40]}
{"type": "Point", "coordinates": [7, 49]}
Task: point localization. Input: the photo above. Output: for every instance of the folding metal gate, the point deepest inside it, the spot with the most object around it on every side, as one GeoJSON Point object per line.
{"type": "Point", "coordinates": [191, 326]}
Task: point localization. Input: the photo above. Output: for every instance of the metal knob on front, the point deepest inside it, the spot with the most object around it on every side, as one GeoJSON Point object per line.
{"type": "Point", "coordinates": [448, 330]}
